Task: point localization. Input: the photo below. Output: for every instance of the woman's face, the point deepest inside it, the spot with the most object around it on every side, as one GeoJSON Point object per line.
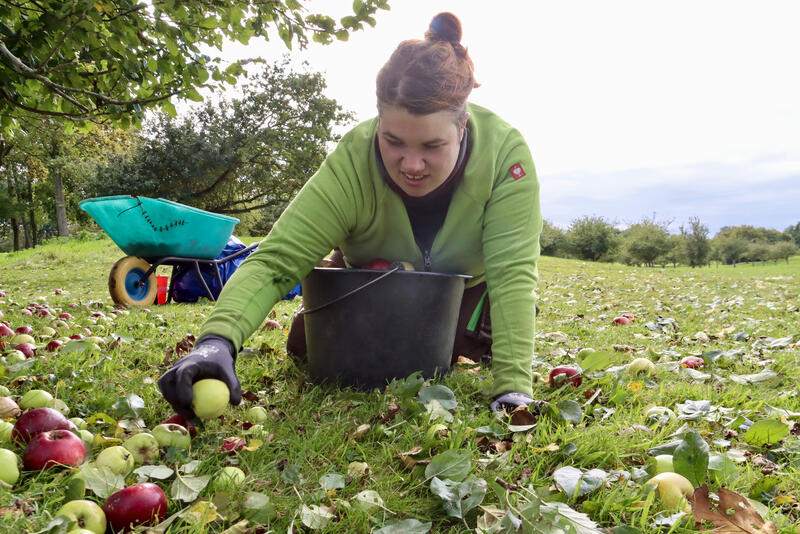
{"type": "Point", "coordinates": [419, 151]}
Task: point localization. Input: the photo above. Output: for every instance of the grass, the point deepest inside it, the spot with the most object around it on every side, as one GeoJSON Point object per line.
{"type": "Point", "coordinates": [313, 431]}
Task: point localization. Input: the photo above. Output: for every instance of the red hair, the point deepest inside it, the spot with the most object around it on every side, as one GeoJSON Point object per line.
{"type": "Point", "coordinates": [430, 75]}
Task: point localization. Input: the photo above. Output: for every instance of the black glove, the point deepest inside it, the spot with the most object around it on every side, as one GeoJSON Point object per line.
{"type": "Point", "coordinates": [510, 400]}
{"type": "Point", "coordinates": [212, 357]}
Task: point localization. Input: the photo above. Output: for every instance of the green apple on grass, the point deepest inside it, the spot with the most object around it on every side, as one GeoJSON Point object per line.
{"type": "Point", "coordinates": [660, 464]}
{"type": "Point", "coordinates": [229, 478]}
{"type": "Point", "coordinates": [172, 435]}
{"type": "Point", "coordinates": [117, 459]}
{"type": "Point", "coordinates": [256, 414]}
{"type": "Point", "coordinates": [88, 515]}
{"type": "Point", "coordinates": [36, 398]}
{"type": "Point", "coordinates": [211, 397]}
{"type": "Point", "coordinates": [641, 366]}
{"type": "Point", "coordinates": [9, 467]}
{"type": "Point", "coordinates": [79, 423]}
{"type": "Point", "coordinates": [673, 489]}
{"type": "Point", "coordinates": [144, 447]}
{"type": "Point", "coordinates": [5, 431]}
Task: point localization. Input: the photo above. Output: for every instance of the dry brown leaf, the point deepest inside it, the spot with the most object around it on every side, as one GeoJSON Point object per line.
{"type": "Point", "coordinates": [623, 348]}
{"type": "Point", "coordinates": [521, 416]}
{"type": "Point", "coordinates": [733, 515]}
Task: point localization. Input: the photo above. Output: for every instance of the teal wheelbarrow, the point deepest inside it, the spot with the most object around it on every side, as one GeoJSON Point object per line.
{"type": "Point", "coordinates": [154, 232]}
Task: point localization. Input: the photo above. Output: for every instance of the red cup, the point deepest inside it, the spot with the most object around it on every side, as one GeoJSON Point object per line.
{"type": "Point", "coordinates": [163, 282]}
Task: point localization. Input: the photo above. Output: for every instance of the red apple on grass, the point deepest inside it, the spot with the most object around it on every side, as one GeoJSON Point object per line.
{"type": "Point", "coordinates": [232, 445]}
{"type": "Point", "coordinates": [65, 315]}
{"type": "Point", "coordinates": [53, 345]}
{"type": "Point", "coordinates": [142, 504]}
{"type": "Point", "coordinates": [693, 362]}
{"type": "Point", "coordinates": [5, 331]}
{"type": "Point", "coordinates": [561, 375]}
{"type": "Point", "coordinates": [36, 421]}
{"type": "Point", "coordinates": [271, 324]}
{"type": "Point", "coordinates": [28, 349]}
{"type": "Point", "coordinates": [378, 264]}
{"type": "Point", "coordinates": [621, 321]}
{"type": "Point", "coordinates": [56, 447]}
{"type": "Point", "coordinates": [24, 329]}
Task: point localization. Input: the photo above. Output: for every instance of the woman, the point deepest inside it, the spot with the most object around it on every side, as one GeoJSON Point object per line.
{"type": "Point", "coordinates": [432, 180]}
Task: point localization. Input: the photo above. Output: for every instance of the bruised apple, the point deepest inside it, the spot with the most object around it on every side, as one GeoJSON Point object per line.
{"type": "Point", "coordinates": [672, 489]}
{"type": "Point", "coordinates": [561, 375]}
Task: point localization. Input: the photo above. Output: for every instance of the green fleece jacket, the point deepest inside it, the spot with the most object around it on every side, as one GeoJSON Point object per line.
{"type": "Point", "coordinates": [491, 232]}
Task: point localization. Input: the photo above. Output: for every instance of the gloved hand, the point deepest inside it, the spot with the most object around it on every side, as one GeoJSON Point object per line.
{"type": "Point", "coordinates": [212, 357]}
{"type": "Point", "coordinates": [510, 400]}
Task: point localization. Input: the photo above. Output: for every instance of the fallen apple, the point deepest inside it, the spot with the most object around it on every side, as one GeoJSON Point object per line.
{"type": "Point", "coordinates": [172, 435]}
{"type": "Point", "coordinates": [229, 478]}
{"type": "Point", "coordinates": [584, 352]}
{"type": "Point", "coordinates": [660, 464]}
{"type": "Point", "coordinates": [144, 447]}
{"type": "Point", "coordinates": [117, 459]}
{"type": "Point", "coordinates": [5, 331]}
{"type": "Point", "coordinates": [621, 321]}
{"type": "Point", "coordinates": [673, 489]}
{"type": "Point", "coordinates": [232, 445]}
{"type": "Point", "coordinates": [8, 408]}
{"type": "Point", "coordinates": [378, 264]}
{"type": "Point", "coordinates": [79, 423]}
{"type": "Point", "coordinates": [61, 406]}
{"type": "Point", "coordinates": [65, 315]}
{"type": "Point", "coordinates": [563, 374]}
{"type": "Point", "coordinates": [142, 504]}
{"type": "Point", "coordinates": [24, 329]}
{"type": "Point", "coordinates": [256, 414]}
{"type": "Point", "coordinates": [36, 421]}
{"type": "Point", "coordinates": [87, 515]}
{"type": "Point", "coordinates": [271, 324]}
{"type": "Point", "coordinates": [28, 349]}
{"type": "Point", "coordinates": [53, 448]}
{"type": "Point", "coordinates": [46, 332]}
{"type": "Point", "coordinates": [36, 398]}
{"type": "Point", "coordinates": [178, 420]}
{"type": "Point", "coordinates": [53, 345]}
{"type": "Point", "coordinates": [692, 362]}
{"type": "Point", "coordinates": [6, 429]}
{"type": "Point", "coordinates": [22, 338]}
{"type": "Point", "coordinates": [9, 467]}
{"type": "Point", "coordinates": [641, 366]}
{"type": "Point", "coordinates": [211, 397]}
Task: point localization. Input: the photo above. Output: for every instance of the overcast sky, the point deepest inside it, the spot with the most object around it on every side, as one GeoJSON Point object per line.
{"type": "Point", "coordinates": [630, 108]}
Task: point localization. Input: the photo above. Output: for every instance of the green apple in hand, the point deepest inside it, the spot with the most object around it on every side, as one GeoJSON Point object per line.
{"type": "Point", "coordinates": [88, 515]}
{"type": "Point", "coordinates": [117, 459]}
{"type": "Point", "coordinates": [144, 448]}
{"type": "Point", "coordinates": [211, 397]}
{"type": "Point", "coordinates": [9, 467]}
{"type": "Point", "coordinates": [172, 435]}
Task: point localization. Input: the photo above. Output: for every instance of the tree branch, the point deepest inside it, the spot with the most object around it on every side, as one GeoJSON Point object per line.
{"type": "Point", "coordinates": [60, 42]}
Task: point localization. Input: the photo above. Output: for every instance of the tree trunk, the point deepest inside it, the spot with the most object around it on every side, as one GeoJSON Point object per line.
{"type": "Point", "coordinates": [61, 205]}
{"type": "Point", "coordinates": [14, 222]}
{"type": "Point", "coordinates": [32, 215]}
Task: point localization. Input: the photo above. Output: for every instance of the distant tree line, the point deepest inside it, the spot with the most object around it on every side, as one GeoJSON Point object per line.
{"type": "Point", "coordinates": [649, 243]}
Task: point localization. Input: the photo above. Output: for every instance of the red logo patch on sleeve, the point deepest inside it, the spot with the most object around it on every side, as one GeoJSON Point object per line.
{"type": "Point", "coordinates": [517, 171]}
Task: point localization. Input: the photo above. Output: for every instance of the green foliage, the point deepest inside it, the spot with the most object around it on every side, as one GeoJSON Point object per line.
{"type": "Point", "coordinates": [591, 238]}
{"type": "Point", "coordinates": [729, 250]}
{"type": "Point", "coordinates": [696, 245]}
{"type": "Point", "coordinates": [552, 240]}
{"type": "Point", "coordinates": [79, 59]}
{"type": "Point", "coordinates": [794, 233]}
{"type": "Point", "coordinates": [254, 152]}
{"type": "Point", "coordinates": [645, 241]}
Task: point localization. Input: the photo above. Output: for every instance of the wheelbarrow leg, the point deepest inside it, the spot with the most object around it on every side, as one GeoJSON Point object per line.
{"type": "Point", "coordinates": [203, 281]}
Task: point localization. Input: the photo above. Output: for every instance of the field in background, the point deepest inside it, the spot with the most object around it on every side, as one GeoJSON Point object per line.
{"type": "Point", "coordinates": [357, 462]}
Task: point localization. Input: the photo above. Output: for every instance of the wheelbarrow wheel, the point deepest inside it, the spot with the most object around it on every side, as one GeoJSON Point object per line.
{"type": "Point", "coordinates": [127, 284]}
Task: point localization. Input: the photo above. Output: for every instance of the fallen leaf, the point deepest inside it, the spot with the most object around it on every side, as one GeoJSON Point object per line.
{"type": "Point", "coordinates": [734, 513]}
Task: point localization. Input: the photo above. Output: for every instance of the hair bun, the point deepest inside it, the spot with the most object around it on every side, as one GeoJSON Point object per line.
{"type": "Point", "coordinates": [444, 27]}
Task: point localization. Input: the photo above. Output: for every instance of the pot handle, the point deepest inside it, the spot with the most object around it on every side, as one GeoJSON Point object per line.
{"type": "Point", "coordinates": [356, 290]}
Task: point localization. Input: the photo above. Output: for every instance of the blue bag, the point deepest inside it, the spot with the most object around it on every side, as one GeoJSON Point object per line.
{"type": "Point", "coordinates": [186, 285]}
